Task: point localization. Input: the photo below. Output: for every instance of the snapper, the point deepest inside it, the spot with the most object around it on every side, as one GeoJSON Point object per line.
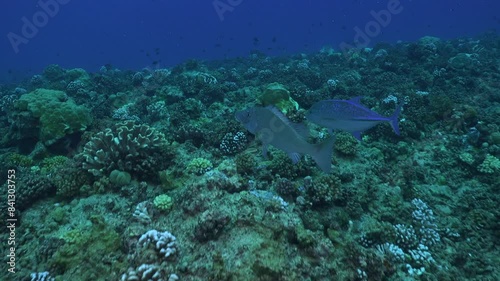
{"type": "Point", "coordinates": [273, 128]}
{"type": "Point", "coordinates": [350, 116]}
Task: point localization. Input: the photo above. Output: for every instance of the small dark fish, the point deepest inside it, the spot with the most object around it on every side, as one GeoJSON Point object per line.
{"type": "Point", "coordinates": [350, 116]}
{"type": "Point", "coordinates": [256, 41]}
{"type": "Point", "coordinates": [273, 128]}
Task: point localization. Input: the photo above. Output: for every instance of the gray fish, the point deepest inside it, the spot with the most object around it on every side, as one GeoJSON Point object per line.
{"type": "Point", "coordinates": [350, 116]}
{"type": "Point", "coordinates": [273, 128]}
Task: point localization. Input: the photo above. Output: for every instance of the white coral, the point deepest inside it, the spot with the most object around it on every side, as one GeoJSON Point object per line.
{"type": "Point", "coordinates": [165, 242]}
{"type": "Point", "coordinates": [141, 213]}
{"type": "Point", "coordinates": [147, 272]}
{"type": "Point", "coordinates": [41, 276]}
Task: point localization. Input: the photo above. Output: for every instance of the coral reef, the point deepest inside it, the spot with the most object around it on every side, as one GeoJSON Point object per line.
{"type": "Point", "coordinates": [107, 161]}
{"type": "Point", "coordinates": [199, 166]}
{"type": "Point", "coordinates": [119, 178]}
{"type": "Point", "coordinates": [127, 147]}
{"type": "Point", "coordinates": [147, 272]}
{"type": "Point", "coordinates": [276, 94]}
{"type": "Point", "coordinates": [41, 276]}
{"type": "Point", "coordinates": [233, 143]}
{"type": "Point", "coordinates": [164, 242]}
{"type": "Point", "coordinates": [490, 165]}
{"type": "Point", "coordinates": [210, 225]}
{"type": "Point", "coordinates": [67, 179]}
{"type": "Point", "coordinates": [345, 143]}
{"type": "Point", "coordinates": [141, 213]}
{"type": "Point", "coordinates": [163, 202]}
{"type": "Point", "coordinates": [58, 115]}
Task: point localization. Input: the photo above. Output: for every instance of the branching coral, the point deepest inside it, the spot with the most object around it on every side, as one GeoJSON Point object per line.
{"type": "Point", "coordinates": [199, 166]}
{"type": "Point", "coordinates": [129, 147]}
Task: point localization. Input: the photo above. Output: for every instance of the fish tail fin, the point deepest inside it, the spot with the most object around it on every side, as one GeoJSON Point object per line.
{"type": "Point", "coordinates": [394, 119]}
{"type": "Point", "coordinates": [322, 154]}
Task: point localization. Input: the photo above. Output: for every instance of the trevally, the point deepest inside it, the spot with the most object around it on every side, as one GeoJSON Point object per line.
{"type": "Point", "coordinates": [350, 116]}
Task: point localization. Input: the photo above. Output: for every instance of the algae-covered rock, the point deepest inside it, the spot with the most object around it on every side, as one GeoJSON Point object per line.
{"type": "Point", "coordinates": [58, 215]}
{"type": "Point", "coordinates": [170, 180]}
{"type": "Point", "coordinates": [58, 115]}
{"type": "Point", "coordinates": [83, 251]}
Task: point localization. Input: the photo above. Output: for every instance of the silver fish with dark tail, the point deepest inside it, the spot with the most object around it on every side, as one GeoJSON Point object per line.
{"type": "Point", "coordinates": [350, 116]}
{"type": "Point", "coordinates": [273, 128]}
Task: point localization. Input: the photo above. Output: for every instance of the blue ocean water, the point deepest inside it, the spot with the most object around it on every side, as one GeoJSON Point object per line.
{"type": "Point", "coordinates": [131, 34]}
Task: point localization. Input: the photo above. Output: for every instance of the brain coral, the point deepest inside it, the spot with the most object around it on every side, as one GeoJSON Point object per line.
{"type": "Point", "coordinates": [130, 147]}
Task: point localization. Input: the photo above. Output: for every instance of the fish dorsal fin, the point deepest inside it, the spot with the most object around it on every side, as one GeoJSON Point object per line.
{"type": "Point", "coordinates": [300, 128]}
{"type": "Point", "coordinates": [278, 114]}
{"type": "Point", "coordinates": [356, 99]}
{"type": "Point", "coordinates": [264, 150]}
{"type": "Point", "coordinates": [295, 157]}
